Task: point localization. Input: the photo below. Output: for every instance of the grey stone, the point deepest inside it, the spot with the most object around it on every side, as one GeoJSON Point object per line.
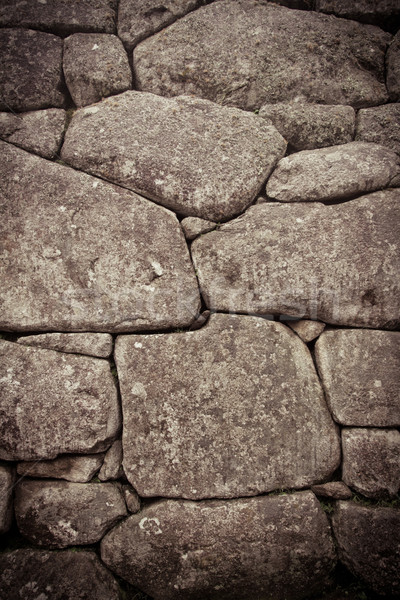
{"type": "Point", "coordinates": [359, 370]}
{"type": "Point", "coordinates": [57, 514]}
{"type": "Point", "coordinates": [307, 330]}
{"type": "Point", "coordinates": [54, 403]}
{"type": "Point", "coordinates": [95, 257]}
{"type": "Point", "coordinates": [233, 409]}
{"type": "Point", "coordinates": [30, 70]}
{"type": "Point", "coordinates": [79, 469]}
{"type": "Point", "coordinates": [132, 499]}
{"type": "Point", "coordinates": [268, 547]}
{"type": "Point", "coordinates": [247, 54]}
{"type": "Point", "coordinates": [283, 259]}
{"type": "Point", "coordinates": [213, 170]}
{"type": "Point", "coordinates": [334, 173]}
{"type": "Point", "coordinates": [7, 480]}
{"type": "Point", "coordinates": [95, 66]}
{"type": "Point", "coordinates": [112, 465]}
{"type": "Point", "coordinates": [308, 126]}
{"type": "Point", "coordinates": [92, 344]}
{"type": "Point", "coordinates": [380, 124]}
{"type": "Point", "coordinates": [64, 575]}
{"type": "Point", "coordinates": [369, 544]}
{"type": "Point", "coordinates": [39, 131]}
{"type": "Point", "coordinates": [193, 227]}
{"type": "Point", "coordinates": [336, 490]}
{"type": "Point", "coordinates": [371, 461]}
{"type": "Point", "coordinates": [385, 13]}
{"type": "Point", "coordinates": [393, 68]}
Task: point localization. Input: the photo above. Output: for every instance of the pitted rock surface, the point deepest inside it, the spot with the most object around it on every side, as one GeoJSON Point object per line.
{"type": "Point", "coordinates": [79, 469]}
{"type": "Point", "coordinates": [84, 260]}
{"type": "Point", "coordinates": [7, 481]}
{"type": "Point", "coordinates": [380, 124]}
{"type": "Point", "coordinates": [233, 409]}
{"type": "Point", "coordinates": [92, 344]}
{"type": "Point", "coordinates": [213, 169]}
{"type": "Point", "coordinates": [393, 68]}
{"type": "Point", "coordinates": [39, 131]}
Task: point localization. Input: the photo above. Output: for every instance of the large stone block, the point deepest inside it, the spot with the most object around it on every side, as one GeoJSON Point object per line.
{"type": "Point", "coordinates": [385, 13]}
{"type": "Point", "coordinates": [380, 124]}
{"type": "Point", "coordinates": [393, 68]}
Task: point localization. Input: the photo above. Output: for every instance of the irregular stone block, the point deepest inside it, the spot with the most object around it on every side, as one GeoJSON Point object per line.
{"type": "Point", "coordinates": [393, 68]}
{"type": "Point", "coordinates": [307, 330]}
{"type": "Point", "coordinates": [54, 403]}
{"type": "Point", "coordinates": [359, 371]}
{"type": "Point", "coordinates": [92, 344]}
{"type": "Point", "coordinates": [182, 550]}
{"type": "Point", "coordinates": [193, 226]}
{"type": "Point", "coordinates": [333, 489]}
{"type": "Point", "coordinates": [79, 469]}
{"type": "Point", "coordinates": [385, 13]}
{"type": "Point", "coordinates": [369, 544]}
{"type": "Point", "coordinates": [95, 257]}
{"type": "Point", "coordinates": [95, 66]}
{"type": "Point", "coordinates": [334, 173]}
{"type": "Point", "coordinates": [247, 54]}
{"type": "Point", "coordinates": [112, 465]}
{"type": "Point", "coordinates": [380, 124]}
{"type": "Point", "coordinates": [7, 480]}
{"type": "Point", "coordinates": [39, 131]}
{"type": "Point", "coordinates": [57, 514]}
{"type": "Point", "coordinates": [308, 126]}
{"type": "Point", "coordinates": [67, 575]}
{"type": "Point", "coordinates": [30, 70]}
{"type": "Point", "coordinates": [222, 159]}
{"type": "Point", "coordinates": [206, 413]}
{"type": "Point", "coordinates": [371, 461]}
{"type": "Point", "coordinates": [283, 259]}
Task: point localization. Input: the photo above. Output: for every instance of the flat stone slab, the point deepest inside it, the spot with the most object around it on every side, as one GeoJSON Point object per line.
{"type": "Point", "coordinates": [380, 124]}
{"type": "Point", "coordinates": [249, 264]}
{"type": "Point", "coordinates": [334, 173]}
{"type": "Point", "coordinates": [215, 170]}
{"type": "Point", "coordinates": [57, 514]}
{"type": "Point", "coordinates": [54, 403]}
{"type": "Point", "coordinates": [95, 257]}
{"type": "Point", "coordinates": [66, 574]}
{"type": "Point", "coordinates": [307, 330]}
{"type": "Point", "coordinates": [359, 371]}
{"type": "Point", "coordinates": [79, 469]}
{"type": "Point", "coordinates": [182, 550]}
{"type": "Point", "coordinates": [247, 54]}
{"type": "Point", "coordinates": [30, 70]}
{"type": "Point", "coordinates": [232, 409]}
{"type": "Point", "coordinates": [393, 69]}
{"type": "Point", "coordinates": [92, 344]}
{"type": "Point", "coordinates": [7, 480]}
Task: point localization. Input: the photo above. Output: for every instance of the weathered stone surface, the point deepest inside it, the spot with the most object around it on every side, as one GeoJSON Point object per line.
{"type": "Point", "coordinates": [247, 54]}
{"type": "Point", "coordinates": [67, 575]}
{"type": "Point", "coordinates": [393, 68]}
{"type": "Point", "coordinates": [214, 171]}
{"type": "Point", "coordinates": [334, 173]}
{"type": "Point", "coordinates": [39, 131]}
{"type": "Point", "coordinates": [95, 66]}
{"type": "Point", "coordinates": [79, 469]}
{"type": "Point", "coordinates": [206, 413]}
{"type": "Point", "coordinates": [30, 70]}
{"type": "Point", "coordinates": [193, 226]}
{"type": "Point", "coordinates": [308, 126]}
{"type": "Point", "coordinates": [380, 124]}
{"type": "Point", "coordinates": [57, 514]}
{"type": "Point", "coordinates": [54, 403]}
{"type": "Point", "coordinates": [333, 489]}
{"type": "Point", "coordinates": [338, 264]}
{"type": "Point", "coordinates": [84, 255]}
{"type": "Point", "coordinates": [112, 465]}
{"type": "Point", "coordinates": [92, 344]}
{"type": "Point", "coordinates": [277, 547]}
{"type": "Point", "coordinates": [307, 330]}
{"type": "Point", "coordinates": [371, 461]}
{"type": "Point", "coordinates": [60, 16]}
{"type": "Point", "coordinates": [132, 499]}
{"type": "Point", "coordinates": [385, 13]}
{"type": "Point", "coordinates": [369, 544]}
{"type": "Point", "coordinates": [7, 480]}
{"type": "Point", "coordinates": [359, 370]}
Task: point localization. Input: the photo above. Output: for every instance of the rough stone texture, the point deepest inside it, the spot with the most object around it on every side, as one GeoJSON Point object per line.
{"type": "Point", "coordinates": [334, 173]}
{"type": "Point", "coordinates": [112, 465]}
{"type": "Point", "coordinates": [95, 66]}
{"type": "Point", "coordinates": [360, 373]}
{"type": "Point", "coordinates": [277, 547]}
{"type": "Point", "coordinates": [369, 544]}
{"type": "Point", "coordinates": [385, 13]}
{"type": "Point", "coordinates": [39, 131]}
{"type": "Point", "coordinates": [67, 575]}
{"type": "Point", "coordinates": [380, 124]}
{"type": "Point", "coordinates": [193, 227]}
{"type": "Point", "coordinates": [214, 171]}
{"type": "Point", "coordinates": [247, 54]}
{"type": "Point", "coordinates": [30, 70]}
{"type": "Point", "coordinates": [7, 480]}
{"type": "Point", "coordinates": [307, 330]}
{"type": "Point", "coordinates": [60, 16]}
{"type": "Point", "coordinates": [92, 344]}
{"type": "Point", "coordinates": [57, 514]}
{"type": "Point", "coordinates": [233, 409]}
{"type": "Point", "coordinates": [338, 264]}
{"type": "Point", "coordinates": [79, 469]}
{"type": "Point", "coordinates": [308, 126]}
{"type": "Point", "coordinates": [132, 499]}
{"type": "Point", "coordinates": [54, 403]}
{"type": "Point", "coordinates": [333, 489]}
{"type": "Point", "coordinates": [84, 255]}
{"type": "Point", "coordinates": [371, 461]}
{"type": "Point", "coordinates": [393, 68]}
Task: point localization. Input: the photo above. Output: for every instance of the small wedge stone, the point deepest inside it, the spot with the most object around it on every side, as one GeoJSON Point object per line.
{"type": "Point", "coordinates": [337, 490]}
{"type": "Point", "coordinates": [112, 465]}
{"type": "Point", "coordinates": [132, 499]}
{"type": "Point", "coordinates": [307, 330]}
{"type": "Point", "coordinates": [92, 344]}
{"type": "Point", "coordinates": [193, 227]}
{"type": "Point", "coordinates": [7, 481]}
{"type": "Point", "coordinates": [75, 468]}
{"type": "Point", "coordinates": [38, 131]}
{"type": "Point", "coordinates": [380, 124]}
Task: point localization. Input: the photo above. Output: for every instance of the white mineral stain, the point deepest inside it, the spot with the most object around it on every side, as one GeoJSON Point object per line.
{"type": "Point", "coordinates": [95, 47]}
{"type": "Point", "coordinates": [138, 345]}
{"type": "Point", "coordinates": [378, 383]}
{"type": "Point", "coordinates": [150, 525]}
{"type": "Point", "coordinates": [139, 390]}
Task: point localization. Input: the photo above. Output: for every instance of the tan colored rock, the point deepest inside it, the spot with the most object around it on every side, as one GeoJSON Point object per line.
{"type": "Point", "coordinates": [7, 481]}
{"type": "Point", "coordinates": [336, 490]}
{"type": "Point", "coordinates": [112, 465]}
{"type": "Point", "coordinates": [385, 13]}
{"type": "Point", "coordinates": [75, 468]}
{"type": "Point", "coordinates": [393, 68]}
{"type": "Point", "coordinates": [92, 344]}
{"type": "Point", "coordinates": [95, 257]}
{"type": "Point", "coordinates": [38, 131]}
{"type": "Point", "coordinates": [307, 330]}
{"type": "Point", "coordinates": [380, 124]}
{"type": "Point", "coordinates": [359, 370]}
{"type": "Point", "coordinates": [54, 403]}
{"type": "Point", "coordinates": [193, 227]}
{"type": "Point", "coordinates": [215, 171]}
{"type": "Point", "coordinates": [182, 550]}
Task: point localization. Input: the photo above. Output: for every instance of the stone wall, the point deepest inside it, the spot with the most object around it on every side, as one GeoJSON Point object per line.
{"type": "Point", "coordinates": [199, 299]}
